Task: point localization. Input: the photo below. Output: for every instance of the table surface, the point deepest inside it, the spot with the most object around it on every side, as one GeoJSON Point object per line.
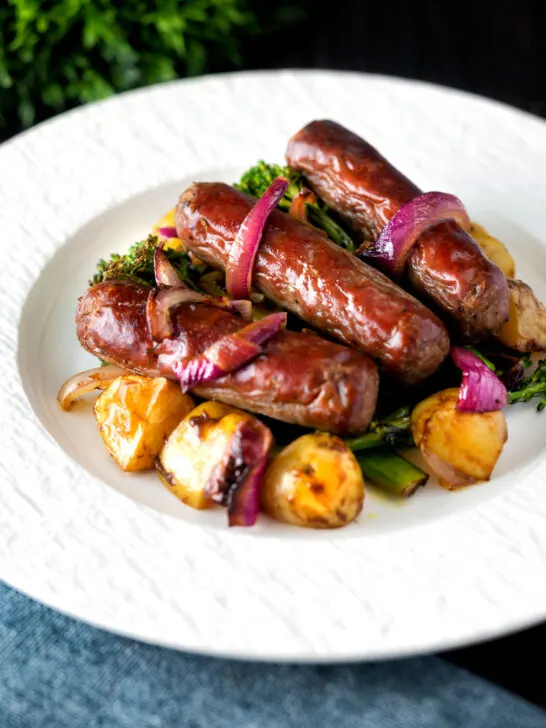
{"type": "Point", "coordinates": [465, 45]}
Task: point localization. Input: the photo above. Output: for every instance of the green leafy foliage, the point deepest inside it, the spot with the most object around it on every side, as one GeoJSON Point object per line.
{"type": "Point", "coordinates": [56, 55]}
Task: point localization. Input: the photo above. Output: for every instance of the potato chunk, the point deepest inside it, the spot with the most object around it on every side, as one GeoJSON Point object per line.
{"type": "Point", "coordinates": [496, 251]}
{"type": "Point", "coordinates": [206, 457]}
{"type": "Point", "coordinates": [461, 448]}
{"type": "Point", "coordinates": [314, 482]}
{"type": "Point", "coordinates": [525, 329]}
{"type": "Point", "coordinates": [136, 414]}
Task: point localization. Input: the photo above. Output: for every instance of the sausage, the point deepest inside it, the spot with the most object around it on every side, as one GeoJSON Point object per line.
{"type": "Point", "coordinates": [306, 273]}
{"type": "Point", "coordinates": [335, 391]}
{"type": "Point", "coordinates": [446, 266]}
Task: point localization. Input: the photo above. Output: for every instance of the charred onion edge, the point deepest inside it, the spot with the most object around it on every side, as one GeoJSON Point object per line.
{"type": "Point", "coordinates": [80, 384]}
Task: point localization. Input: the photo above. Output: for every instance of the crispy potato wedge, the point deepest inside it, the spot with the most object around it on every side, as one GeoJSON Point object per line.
{"type": "Point", "coordinates": [525, 329]}
{"type": "Point", "coordinates": [496, 251]}
{"type": "Point", "coordinates": [136, 414]}
{"type": "Point", "coordinates": [460, 448]}
{"type": "Point", "coordinates": [314, 482]}
{"type": "Point", "coordinates": [204, 458]}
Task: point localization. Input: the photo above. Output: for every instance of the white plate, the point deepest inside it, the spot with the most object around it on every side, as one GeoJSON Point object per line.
{"type": "Point", "coordinates": [117, 550]}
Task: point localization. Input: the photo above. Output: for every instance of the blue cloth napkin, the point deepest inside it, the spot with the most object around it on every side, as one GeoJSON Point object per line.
{"type": "Point", "coordinates": [57, 672]}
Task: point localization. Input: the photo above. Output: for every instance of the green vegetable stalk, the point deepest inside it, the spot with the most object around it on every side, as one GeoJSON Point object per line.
{"type": "Point", "coordinates": [257, 179]}
{"type": "Point", "coordinates": [391, 472]}
{"type": "Point", "coordinates": [393, 431]}
{"type": "Point", "coordinates": [532, 386]}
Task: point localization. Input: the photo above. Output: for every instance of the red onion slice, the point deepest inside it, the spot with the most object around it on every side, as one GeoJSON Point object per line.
{"type": "Point", "coordinates": [481, 390]}
{"type": "Point", "coordinates": [85, 382]}
{"type": "Point", "coordinates": [261, 331]}
{"type": "Point", "coordinates": [226, 355]}
{"type": "Point", "coordinates": [245, 246]}
{"type": "Point", "coordinates": [236, 482]}
{"type": "Point", "coordinates": [243, 308]}
{"type": "Point", "coordinates": [229, 353]}
{"type": "Point", "coordinates": [408, 224]}
{"type": "Point", "coordinates": [244, 506]}
{"type": "Point", "coordinates": [161, 304]}
{"type": "Point", "coordinates": [243, 501]}
{"type": "Point", "coordinates": [167, 232]}
{"type": "Point", "coordinates": [164, 271]}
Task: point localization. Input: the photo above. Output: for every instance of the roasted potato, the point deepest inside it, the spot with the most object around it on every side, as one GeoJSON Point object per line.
{"type": "Point", "coordinates": [135, 415]}
{"type": "Point", "coordinates": [205, 458]}
{"type": "Point", "coordinates": [461, 448]}
{"type": "Point", "coordinates": [496, 251]}
{"type": "Point", "coordinates": [314, 482]}
{"type": "Point", "coordinates": [525, 329]}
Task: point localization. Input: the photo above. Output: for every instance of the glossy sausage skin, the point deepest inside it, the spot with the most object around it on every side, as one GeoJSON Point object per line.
{"type": "Point", "coordinates": [301, 378]}
{"type": "Point", "coordinates": [446, 266]}
{"type": "Point", "coordinates": [325, 285]}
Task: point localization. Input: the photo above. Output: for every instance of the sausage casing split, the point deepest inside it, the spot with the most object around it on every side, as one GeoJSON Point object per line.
{"type": "Point", "coordinates": [332, 290]}
{"type": "Point", "coordinates": [300, 378]}
{"type": "Point", "coordinates": [446, 265]}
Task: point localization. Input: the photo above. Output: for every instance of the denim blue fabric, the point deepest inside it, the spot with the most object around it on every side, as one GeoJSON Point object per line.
{"type": "Point", "coordinates": [56, 672]}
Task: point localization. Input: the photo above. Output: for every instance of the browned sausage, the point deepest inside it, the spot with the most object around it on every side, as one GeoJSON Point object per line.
{"type": "Point", "coordinates": [301, 378]}
{"type": "Point", "coordinates": [446, 266]}
{"type": "Point", "coordinates": [326, 286]}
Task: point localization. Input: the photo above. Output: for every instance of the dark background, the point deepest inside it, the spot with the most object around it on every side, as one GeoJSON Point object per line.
{"type": "Point", "coordinates": [496, 49]}
{"type": "Point", "coordinates": [493, 49]}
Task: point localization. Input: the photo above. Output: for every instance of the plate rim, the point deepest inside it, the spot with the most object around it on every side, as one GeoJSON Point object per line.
{"type": "Point", "coordinates": [128, 97]}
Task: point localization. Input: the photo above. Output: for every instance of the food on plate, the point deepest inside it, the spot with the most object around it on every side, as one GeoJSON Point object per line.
{"type": "Point", "coordinates": [297, 200]}
{"type": "Point", "coordinates": [394, 474]}
{"type": "Point", "coordinates": [460, 448]}
{"type": "Point", "coordinates": [495, 250]}
{"type": "Point", "coordinates": [328, 287]}
{"type": "Point", "coordinates": [216, 301]}
{"type": "Point", "coordinates": [525, 329]}
{"type": "Point", "coordinates": [136, 414]}
{"type": "Point", "coordinates": [314, 482]}
{"type": "Point", "coordinates": [445, 265]}
{"type": "Point", "coordinates": [85, 382]}
{"type": "Point", "coordinates": [217, 454]}
{"type": "Point", "coordinates": [300, 378]}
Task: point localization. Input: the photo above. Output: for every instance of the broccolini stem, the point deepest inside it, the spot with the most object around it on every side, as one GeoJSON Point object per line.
{"type": "Point", "coordinates": [391, 472]}
{"type": "Point", "coordinates": [532, 386]}
{"type": "Point", "coordinates": [394, 430]}
{"type": "Point", "coordinates": [320, 218]}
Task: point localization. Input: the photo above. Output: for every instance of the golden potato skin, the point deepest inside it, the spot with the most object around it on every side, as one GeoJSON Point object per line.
{"type": "Point", "coordinates": [136, 414]}
{"type": "Point", "coordinates": [525, 329]}
{"type": "Point", "coordinates": [496, 251]}
{"type": "Point", "coordinates": [314, 482]}
{"type": "Point", "coordinates": [199, 450]}
{"type": "Point", "coordinates": [461, 448]}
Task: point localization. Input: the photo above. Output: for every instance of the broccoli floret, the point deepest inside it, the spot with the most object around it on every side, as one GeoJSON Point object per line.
{"type": "Point", "coordinates": [138, 264]}
{"type": "Point", "coordinates": [257, 179]}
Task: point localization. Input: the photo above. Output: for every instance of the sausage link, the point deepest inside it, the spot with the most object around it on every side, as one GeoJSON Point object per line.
{"type": "Point", "coordinates": [446, 266]}
{"type": "Point", "coordinates": [325, 285]}
{"type": "Point", "coordinates": [300, 378]}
